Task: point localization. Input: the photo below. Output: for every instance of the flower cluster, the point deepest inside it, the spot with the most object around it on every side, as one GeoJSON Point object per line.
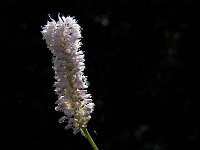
{"type": "Point", "coordinates": [63, 40]}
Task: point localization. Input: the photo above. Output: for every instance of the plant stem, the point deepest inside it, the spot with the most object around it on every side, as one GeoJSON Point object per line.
{"type": "Point", "coordinates": [87, 135]}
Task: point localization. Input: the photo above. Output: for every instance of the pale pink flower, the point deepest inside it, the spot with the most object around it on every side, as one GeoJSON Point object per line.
{"type": "Point", "coordinates": [63, 40]}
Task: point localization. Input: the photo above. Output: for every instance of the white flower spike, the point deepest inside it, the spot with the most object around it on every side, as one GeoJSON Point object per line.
{"type": "Point", "coordinates": [63, 40]}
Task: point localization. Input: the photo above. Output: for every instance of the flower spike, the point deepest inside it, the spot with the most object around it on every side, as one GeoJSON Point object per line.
{"type": "Point", "coordinates": [63, 40]}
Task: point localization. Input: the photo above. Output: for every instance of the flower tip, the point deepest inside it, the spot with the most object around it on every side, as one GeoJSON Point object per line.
{"type": "Point", "coordinates": [62, 119]}
{"type": "Point", "coordinates": [69, 126]}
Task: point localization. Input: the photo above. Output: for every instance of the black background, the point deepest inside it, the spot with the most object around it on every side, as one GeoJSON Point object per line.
{"type": "Point", "coordinates": [142, 64]}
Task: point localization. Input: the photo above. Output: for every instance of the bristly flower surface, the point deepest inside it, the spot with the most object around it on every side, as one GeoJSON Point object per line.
{"type": "Point", "coordinates": [63, 40]}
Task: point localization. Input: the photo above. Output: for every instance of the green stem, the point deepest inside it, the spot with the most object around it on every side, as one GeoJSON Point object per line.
{"type": "Point", "coordinates": [87, 135]}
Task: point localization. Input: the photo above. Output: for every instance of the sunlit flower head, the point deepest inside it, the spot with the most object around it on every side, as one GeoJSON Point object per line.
{"type": "Point", "coordinates": [63, 40]}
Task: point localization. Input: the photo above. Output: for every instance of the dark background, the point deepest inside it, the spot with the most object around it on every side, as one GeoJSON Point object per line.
{"type": "Point", "coordinates": [142, 64]}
